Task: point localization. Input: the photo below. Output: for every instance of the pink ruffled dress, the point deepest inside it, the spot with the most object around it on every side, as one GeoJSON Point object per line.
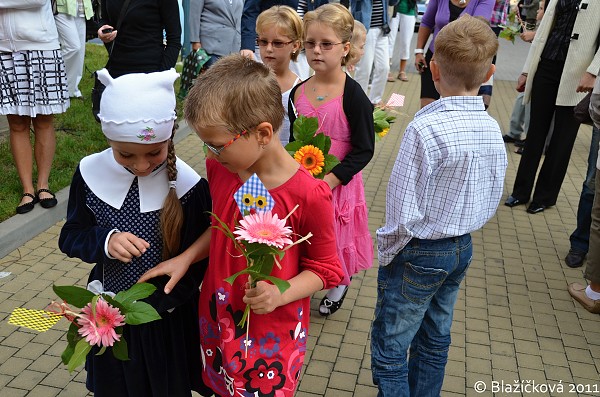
{"type": "Point", "coordinates": [354, 242]}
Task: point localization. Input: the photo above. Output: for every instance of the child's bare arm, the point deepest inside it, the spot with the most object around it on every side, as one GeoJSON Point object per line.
{"type": "Point", "coordinates": [178, 266]}
{"type": "Point", "coordinates": [265, 297]}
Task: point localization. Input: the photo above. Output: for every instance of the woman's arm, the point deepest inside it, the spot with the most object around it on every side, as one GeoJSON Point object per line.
{"type": "Point", "coordinates": [169, 14]}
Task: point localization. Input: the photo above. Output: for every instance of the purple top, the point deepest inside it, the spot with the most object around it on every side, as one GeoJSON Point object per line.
{"type": "Point", "coordinates": [437, 14]}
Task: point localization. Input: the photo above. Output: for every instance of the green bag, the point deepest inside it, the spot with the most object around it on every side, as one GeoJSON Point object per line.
{"type": "Point", "coordinates": [192, 67]}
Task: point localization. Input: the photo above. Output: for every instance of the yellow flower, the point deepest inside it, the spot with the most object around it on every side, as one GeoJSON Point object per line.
{"type": "Point", "coordinates": [311, 158]}
{"type": "Point", "coordinates": [383, 132]}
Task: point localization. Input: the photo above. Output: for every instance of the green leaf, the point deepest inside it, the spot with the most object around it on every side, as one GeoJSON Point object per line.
{"type": "Point", "coordinates": [67, 354]}
{"type": "Point", "coordinates": [136, 292]}
{"type": "Point", "coordinates": [120, 351]}
{"type": "Point", "coordinates": [72, 338]}
{"type": "Point", "coordinates": [73, 295]}
{"type": "Point", "coordinates": [319, 141]}
{"type": "Point", "coordinates": [140, 313]}
{"type": "Point", "coordinates": [82, 348]}
{"type": "Point", "coordinates": [293, 147]}
{"type": "Point", "coordinates": [381, 125]}
{"type": "Point", "coordinates": [330, 162]}
{"type": "Point", "coordinates": [101, 351]}
{"type": "Point", "coordinates": [305, 128]}
{"type": "Point", "coordinates": [282, 285]}
{"type": "Point", "coordinates": [232, 278]}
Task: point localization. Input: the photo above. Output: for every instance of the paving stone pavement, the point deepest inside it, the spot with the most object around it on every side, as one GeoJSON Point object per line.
{"type": "Point", "coordinates": [514, 320]}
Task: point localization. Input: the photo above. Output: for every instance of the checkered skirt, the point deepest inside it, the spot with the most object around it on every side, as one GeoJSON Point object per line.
{"type": "Point", "coordinates": [33, 82]}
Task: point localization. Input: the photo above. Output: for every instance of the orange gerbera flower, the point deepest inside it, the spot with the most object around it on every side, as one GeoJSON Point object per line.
{"type": "Point", "coordinates": [311, 158]}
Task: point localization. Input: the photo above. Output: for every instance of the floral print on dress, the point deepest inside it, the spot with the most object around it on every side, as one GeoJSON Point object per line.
{"type": "Point", "coordinates": [147, 134]}
{"type": "Point", "coordinates": [265, 379]}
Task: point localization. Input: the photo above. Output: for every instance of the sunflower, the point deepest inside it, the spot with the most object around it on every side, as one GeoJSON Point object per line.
{"type": "Point", "coordinates": [383, 132]}
{"type": "Point", "coordinates": [311, 158]}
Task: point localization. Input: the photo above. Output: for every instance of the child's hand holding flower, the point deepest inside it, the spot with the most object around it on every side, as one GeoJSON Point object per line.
{"type": "Point", "coordinates": [264, 298]}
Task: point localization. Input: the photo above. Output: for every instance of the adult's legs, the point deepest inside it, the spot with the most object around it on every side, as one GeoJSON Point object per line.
{"type": "Point", "coordinates": [592, 269]}
{"type": "Point", "coordinates": [517, 118]}
{"type": "Point", "coordinates": [45, 146]}
{"type": "Point", "coordinates": [20, 146]}
{"type": "Point", "coordinates": [543, 99]}
{"type": "Point", "coordinates": [381, 68]}
{"type": "Point", "coordinates": [558, 154]}
{"type": "Point", "coordinates": [365, 65]}
{"type": "Point", "coordinates": [428, 91]}
{"type": "Point", "coordinates": [71, 33]}
{"type": "Point", "coordinates": [580, 238]}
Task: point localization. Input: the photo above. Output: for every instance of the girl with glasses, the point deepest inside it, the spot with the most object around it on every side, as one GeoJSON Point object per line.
{"type": "Point", "coordinates": [279, 31]}
{"type": "Point", "coordinates": [346, 115]}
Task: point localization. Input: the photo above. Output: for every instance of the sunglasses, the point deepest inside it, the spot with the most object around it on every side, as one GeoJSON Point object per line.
{"type": "Point", "coordinates": [325, 45]}
{"type": "Point", "coordinates": [275, 43]}
{"type": "Point", "coordinates": [218, 149]}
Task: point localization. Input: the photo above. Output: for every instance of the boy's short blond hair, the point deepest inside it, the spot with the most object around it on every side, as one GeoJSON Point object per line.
{"type": "Point", "coordinates": [237, 94]}
{"type": "Point", "coordinates": [286, 20]}
{"type": "Point", "coordinates": [338, 18]}
{"type": "Point", "coordinates": [359, 32]}
{"type": "Point", "coordinates": [463, 51]}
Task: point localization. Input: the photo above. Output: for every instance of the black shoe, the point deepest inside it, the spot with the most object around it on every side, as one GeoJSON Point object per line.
{"type": "Point", "coordinates": [513, 202]}
{"type": "Point", "coordinates": [520, 143]}
{"type": "Point", "coordinates": [328, 306]}
{"type": "Point", "coordinates": [575, 258]}
{"type": "Point", "coordinates": [510, 139]}
{"type": "Point", "coordinates": [25, 208]}
{"type": "Point", "coordinates": [46, 202]}
{"type": "Point", "coordinates": [534, 208]}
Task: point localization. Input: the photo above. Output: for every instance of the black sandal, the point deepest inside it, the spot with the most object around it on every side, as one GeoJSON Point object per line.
{"type": "Point", "coordinates": [47, 202]}
{"type": "Point", "coordinates": [328, 307]}
{"type": "Point", "coordinates": [25, 208]}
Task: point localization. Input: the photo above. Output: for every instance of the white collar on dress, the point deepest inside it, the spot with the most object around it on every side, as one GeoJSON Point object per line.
{"type": "Point", "coordinates": [111, 181]}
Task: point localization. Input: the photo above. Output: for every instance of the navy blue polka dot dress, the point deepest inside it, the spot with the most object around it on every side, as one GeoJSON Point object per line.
{"type": "Point", "coordinates": [164, 354]}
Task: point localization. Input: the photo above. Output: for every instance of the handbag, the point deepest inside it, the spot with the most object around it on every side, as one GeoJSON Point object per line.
{"type": "Point", "coordinates": [98, 88]}
{"type": "Point", "coordinates": [193, 65]}
{"type": "Point", "coordinates": [581, 112]}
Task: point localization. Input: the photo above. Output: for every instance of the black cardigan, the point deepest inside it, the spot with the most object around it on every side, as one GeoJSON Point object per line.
{"type": "Point", "coordinates": [359, 112]}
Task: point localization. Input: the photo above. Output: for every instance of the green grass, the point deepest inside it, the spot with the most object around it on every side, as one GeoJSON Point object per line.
{"type": "Point", "coordinates": [77, 135]}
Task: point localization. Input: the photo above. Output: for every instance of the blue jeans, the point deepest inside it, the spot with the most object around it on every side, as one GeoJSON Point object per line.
{"type": "Point", "coordinates": [580, 238]}
{"type": "Point", "coordinates": [519, 118]}
{"type": "Point", "coordinates": [416, 294]}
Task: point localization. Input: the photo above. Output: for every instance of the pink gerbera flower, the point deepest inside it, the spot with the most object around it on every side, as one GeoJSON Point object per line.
{"type": "Point", "coordinates": [264, 228]}
{"type": "Point", "coordinates": [99, 328]}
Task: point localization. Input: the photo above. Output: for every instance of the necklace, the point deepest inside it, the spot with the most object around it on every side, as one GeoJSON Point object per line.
{"type": "Point", "coordinates": [462, 2]}
{"type": "Point", "coordinates": [319, 97]}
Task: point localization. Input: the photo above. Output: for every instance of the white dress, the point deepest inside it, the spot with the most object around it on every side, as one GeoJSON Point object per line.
{"type": "Point", "coordinates": [284, 132]}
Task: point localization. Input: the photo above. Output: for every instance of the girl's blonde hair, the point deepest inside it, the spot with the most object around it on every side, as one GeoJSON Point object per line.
{"type": "Point", "coordinates": [359, 32]}
{"type": "Point", "coordinates": [338, 18]}
{"type": "Point", "coordinates": [284, 19]}
{"type": "Point", "coordinates": [237, 94]}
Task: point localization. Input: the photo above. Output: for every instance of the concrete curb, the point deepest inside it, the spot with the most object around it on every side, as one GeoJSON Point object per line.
{"type": "Point", "coordinates": [18, 229]}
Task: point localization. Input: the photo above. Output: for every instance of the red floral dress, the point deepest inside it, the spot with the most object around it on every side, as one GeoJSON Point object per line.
{"type": "Point", "coordinates": [277, 341]}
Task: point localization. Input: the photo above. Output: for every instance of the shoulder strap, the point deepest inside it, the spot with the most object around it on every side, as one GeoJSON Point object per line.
{"type": "Point", "coordinates": [119, 21]}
